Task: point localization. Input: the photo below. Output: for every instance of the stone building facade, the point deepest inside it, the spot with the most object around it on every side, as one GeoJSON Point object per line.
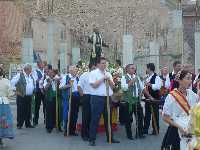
{"type": "Point", "coordinates": [146, 20]}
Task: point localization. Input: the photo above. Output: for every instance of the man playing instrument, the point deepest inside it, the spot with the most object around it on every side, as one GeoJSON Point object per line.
{"type": "Point", "coordinates": [152, 85]}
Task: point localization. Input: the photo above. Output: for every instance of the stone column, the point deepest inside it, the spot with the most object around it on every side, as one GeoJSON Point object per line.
{"type": "Point", "coordinates": [50, 39]}
{"type": "Point", "coordinates": [154, 54]}
{"type": "Point", "coordinates": [63, 55]}
{"type": "Point", "coordinates": [128, 56]}
{"type": "Point", "coordinates": [75, 55]}
{"type": "Point", "coordinates": [178, 32]}
{"type": "Point", "coordinates": [27, 48]}
{"type": "Point", "coordinates": [197, 50]}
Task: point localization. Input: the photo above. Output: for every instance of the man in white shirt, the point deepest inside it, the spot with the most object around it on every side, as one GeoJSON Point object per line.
{"type": "Point", "coordinates": [132, 88]}
{"type": "Point", "coordinates": [75, 101]}
{"type": "Point", "coordinates": [98, 100]}
{"type": "Point", "coordinates": [38, 76]}
{"type": "Point", "coordinates": [84, 89]}
{"type": "Point", "coordinates": [25, 86]}
{"type": "Point", "coordinates": [153, 85]}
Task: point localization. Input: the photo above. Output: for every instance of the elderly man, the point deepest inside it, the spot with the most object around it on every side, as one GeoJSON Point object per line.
{"type": "Point", "coordinates": [25, 86]}
{"type": "Point", "coordinates": [132, 88]}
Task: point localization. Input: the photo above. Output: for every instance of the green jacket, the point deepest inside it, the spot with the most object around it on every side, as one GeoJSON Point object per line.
{"type": "Point", "coordinates": [50, 94]}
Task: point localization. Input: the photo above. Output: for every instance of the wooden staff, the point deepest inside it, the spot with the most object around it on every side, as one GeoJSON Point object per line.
{"type": "Point", "coordinates": [69, 111]}
{"type": "Point", "coordinates": [56, 106]}
{"type": "Point", "coordinates": [108, 111]}
{"type": "Point", "coordinates": [136, 115]}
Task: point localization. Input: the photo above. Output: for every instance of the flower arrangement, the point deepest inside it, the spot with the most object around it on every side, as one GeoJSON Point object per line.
{"type": "Point", "coordinates": [82, 67]}
{"type": "Point", "coordinates": [117, 73]}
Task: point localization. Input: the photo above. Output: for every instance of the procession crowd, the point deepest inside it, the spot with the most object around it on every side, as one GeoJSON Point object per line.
{"type": "Point", "coordinates": [98, 92]}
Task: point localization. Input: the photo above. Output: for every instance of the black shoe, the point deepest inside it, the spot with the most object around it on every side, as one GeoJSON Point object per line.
{"type": "Point", "coordinates": [141, 136]}
{"type": "Point", "coordinates": [92, 143]}
{"type": "Point", "coordinates": [73, 134]}
{"type": "Point", "coordinates": [30, 126]}
{"type": "Point", "coordinates": [115, 141]}
{"type": "Point", "coordinates": [49, 130]}
{"type": "Point", "coordinates": [60, 130]}
{"type": "Point", "coordinates": [145, 132]}
{"type": "Point", "coordinates": [154, 133]}
{"type": "Point", "coordinates": [85, 138]}
{"type": "Point", "coordinates": [19, 127]}
{"type": "Point", "coordinates": [130, 138]}
{"type": "Point", "coordinates": [65, 133]}
{"type": "Point", "coordinates": [35, 123]}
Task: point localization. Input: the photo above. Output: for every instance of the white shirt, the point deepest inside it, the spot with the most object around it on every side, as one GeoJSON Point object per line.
{"type": "Point", "coordinates": [167, 82]}
{"type": "Point", "coordinates": [84, 83]}
{"type": "Point", "coordinates": [124, 84]}
{"type": "Point", "coordinates": [35, 75]}
{"type": "Point", "coordinates": [30, 84]}
{"type": "Point", "coordinates": [176, 112]}
{"type": "Point", "coordinates": [101, 89]}
{"type": "Point", "coordinates": [75, 83]}
{"type": "Point", "coordinates": [196, 78]}
{"type": "Point", "coordinates": [53, 83]}
{"type": "Point", "coordinates": [158, 82]}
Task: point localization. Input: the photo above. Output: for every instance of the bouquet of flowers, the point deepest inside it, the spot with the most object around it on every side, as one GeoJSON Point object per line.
{"type": "Point", "coordinates": [117, 73]}
{"type": "Point", "coordinates": [82, 67]}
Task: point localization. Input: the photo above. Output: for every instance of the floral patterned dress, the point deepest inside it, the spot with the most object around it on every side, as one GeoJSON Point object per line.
{"type": "Point", "coordinates": [6, 118]}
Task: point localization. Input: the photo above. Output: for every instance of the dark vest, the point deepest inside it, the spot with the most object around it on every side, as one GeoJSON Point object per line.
{"type": "Point", "coordinates": [39, 75]}
{"type": "Point", "coordinates": [128, 95]}
{"type": "Point", "coordinates": [21, 85]}
{"type": "Point", "coordinates": [65, 92]}
{"type": "Point", "coordinates": [173, 83]}
{"type": "Point", "coordinates": [154, 94]}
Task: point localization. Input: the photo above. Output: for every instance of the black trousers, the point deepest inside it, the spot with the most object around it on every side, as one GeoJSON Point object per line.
{"type": "Point", "coordinates": [39, 97]}
{"type": "Point", "coordinates": [24, 110]}
{"type": "Point", "coordinates": [171, 140]}
{"type": "Point", "coordinates": [98, 107]}
{"type": "Point", "coordinates": [75, 102]}
{"type": "Point", "coordinates": [86, 112]}
{"type": "Point", "coordinates": [126, 118]}
{"type": "Point", "coordinates": [151, 111]}
{"type": "Point", "coordinates": [51, 114]}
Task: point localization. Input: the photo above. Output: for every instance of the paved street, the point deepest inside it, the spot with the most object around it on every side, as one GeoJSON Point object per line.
{"type": "Point", "coordinates": [38, 139]}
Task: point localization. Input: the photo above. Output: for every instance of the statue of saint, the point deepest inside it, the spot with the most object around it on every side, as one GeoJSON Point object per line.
{"type": "Point", "coordinates": [97, 43]}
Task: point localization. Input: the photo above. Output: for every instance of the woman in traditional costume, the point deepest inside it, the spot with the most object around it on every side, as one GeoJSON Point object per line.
{"type": "Point", "coordinates": [6, 118]}
{"type": "Point", "coordinates": [176, 112]}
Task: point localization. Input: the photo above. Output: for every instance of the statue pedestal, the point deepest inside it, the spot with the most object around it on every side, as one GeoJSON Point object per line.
{"type": "Point", "coordinates": [27, 48]}
{"type": "Point", "coordinates": [128, 56]}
